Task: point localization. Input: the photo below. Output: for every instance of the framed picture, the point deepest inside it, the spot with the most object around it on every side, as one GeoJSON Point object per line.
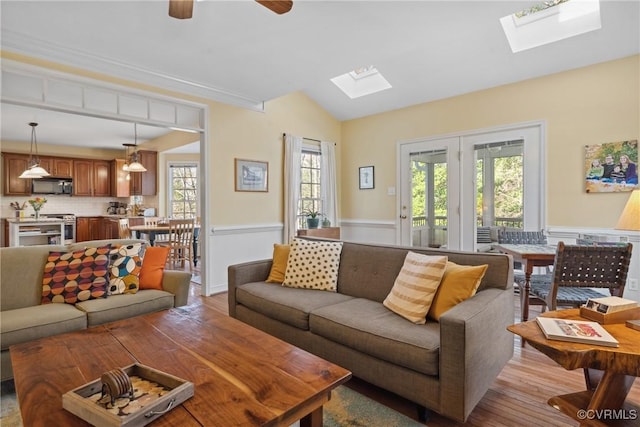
{"type": "Point", "coordinates": [611, 167]}
{"type": "Point", "coordinates": [366, 178]}
{"type": "Point", "coordinates": [251, 175]}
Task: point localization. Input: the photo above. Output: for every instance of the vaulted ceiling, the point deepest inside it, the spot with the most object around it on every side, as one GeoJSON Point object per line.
{"type": "Point", "coordinates": [241, 53]}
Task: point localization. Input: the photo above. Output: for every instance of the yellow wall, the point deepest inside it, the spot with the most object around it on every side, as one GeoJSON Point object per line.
{"type": "Point", "coordinates": [590, 105]}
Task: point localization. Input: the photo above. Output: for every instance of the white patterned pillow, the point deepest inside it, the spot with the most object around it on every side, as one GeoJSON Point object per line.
{"type": "Point", "coordinates": [415, 286]}
{"type": "Point", "coordinates": [125, 262]}
{"type": "Point", "coordinates": [313, 265]}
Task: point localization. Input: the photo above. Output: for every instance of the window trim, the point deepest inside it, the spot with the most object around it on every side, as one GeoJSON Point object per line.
{"type": "Point", "coordinates": [182, 163]}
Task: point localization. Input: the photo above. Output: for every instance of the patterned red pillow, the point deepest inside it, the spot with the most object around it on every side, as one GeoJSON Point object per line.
{"type": "Point", "coordinates": [71, 277]}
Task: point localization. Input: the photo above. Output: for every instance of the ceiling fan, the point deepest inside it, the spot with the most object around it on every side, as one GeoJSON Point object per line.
{"type": "Point", "coordinates": [183, 9]}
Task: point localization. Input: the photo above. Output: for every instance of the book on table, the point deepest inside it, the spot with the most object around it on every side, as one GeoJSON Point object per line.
{"type": "Point", "coordinates": [579, 331]}
{"type": "Point", "coordinates": [608, 305]}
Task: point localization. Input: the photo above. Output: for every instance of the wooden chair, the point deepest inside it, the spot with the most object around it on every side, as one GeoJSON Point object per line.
{"type": "Point", "coordinates": [125, 231]}
{"type": "Point", "coordinates": [180, 240]}
{"type": "Point", "coordinates": [578, 269]}
{"type": "Point", "coordinates": [524, 238]}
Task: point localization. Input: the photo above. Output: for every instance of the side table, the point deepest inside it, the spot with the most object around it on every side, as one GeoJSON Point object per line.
{"type": "Point", "coordinates": [620, 365]}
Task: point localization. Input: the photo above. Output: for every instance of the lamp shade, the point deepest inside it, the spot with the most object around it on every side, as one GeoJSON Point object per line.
{"type": "Point", "coordinates": [630, 218]}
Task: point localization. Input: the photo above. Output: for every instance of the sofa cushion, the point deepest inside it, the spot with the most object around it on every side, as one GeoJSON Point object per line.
{"type": "Point", "coordinates": [313, 265]}
{"type": "Point", "coordinates": [367, 326]}
{"type": "Point", "coordinates": [288, 305]}
{"type": "Point", "coordinates": [415, 286]}
{"type": "Point", "coordinates": [459, 283]}
{"type": "Point", "coordinates": [75, 276]}
{"type": "Point", "coordinates": [30, 323]}
{"type": "Point", "coordinates": [118, 307]}
{"type": "Point", "coordinates": [124, 268]}
{"type": "Point", "coordinates": [279, 265]}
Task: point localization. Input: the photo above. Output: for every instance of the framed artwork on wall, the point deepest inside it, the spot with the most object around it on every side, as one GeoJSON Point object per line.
{"type": "Point", "coordinates": [366, 178]}
{"type": "Point", "coordinates": [611, 167]}
{"type": "Point", "coordinates": [251, 175]}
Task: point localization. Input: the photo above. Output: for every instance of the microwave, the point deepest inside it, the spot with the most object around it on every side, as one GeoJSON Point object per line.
{"type": "Point", "coordinates": [51, 186]}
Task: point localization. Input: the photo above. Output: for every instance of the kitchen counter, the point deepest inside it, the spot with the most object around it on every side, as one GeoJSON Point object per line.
{"type": "Point", "coordinates": [32, 220]}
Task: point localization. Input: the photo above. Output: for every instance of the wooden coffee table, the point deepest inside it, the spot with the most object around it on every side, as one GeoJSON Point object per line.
{"type": "Point", "coordinates": [242, 376]}
{"type": "Point", "coordinates": [621, 365]}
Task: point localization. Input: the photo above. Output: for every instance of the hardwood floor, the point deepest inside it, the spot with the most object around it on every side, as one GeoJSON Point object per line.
{"type": "Point", "coordinates": [518, 396]}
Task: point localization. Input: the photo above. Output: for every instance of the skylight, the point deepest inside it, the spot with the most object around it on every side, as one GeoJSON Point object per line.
{"type": "Point", "coordinates": [549, 22]}
{"type": "Point", "coordinates": [361, 81]}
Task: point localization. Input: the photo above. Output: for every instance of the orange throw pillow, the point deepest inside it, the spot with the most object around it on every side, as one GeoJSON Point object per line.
{"type": "Point", "coordinates": [279, 266]}
{"type": "Point", "coordinates": [155, 258]}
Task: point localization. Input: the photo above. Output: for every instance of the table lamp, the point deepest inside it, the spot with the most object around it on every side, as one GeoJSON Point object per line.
{"type": "Point", "coordinates": [630, 218]}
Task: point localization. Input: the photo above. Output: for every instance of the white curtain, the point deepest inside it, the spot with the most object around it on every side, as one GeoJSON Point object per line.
{"type": "Point", "coordinates": [292, 161]}
{"type": "Point", "coordinates": [328, 186]}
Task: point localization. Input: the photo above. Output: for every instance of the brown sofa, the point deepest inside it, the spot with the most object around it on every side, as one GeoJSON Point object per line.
{"type": "Point", "coordinates": [444, 366]}
{"type": "Point", "coordinates": [23, 318]}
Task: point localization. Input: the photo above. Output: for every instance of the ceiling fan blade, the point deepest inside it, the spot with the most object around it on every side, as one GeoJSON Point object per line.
{"type": "Point", "coordinates": [277, 6]}
{"type": "Point", "coordinates": [181, 9]}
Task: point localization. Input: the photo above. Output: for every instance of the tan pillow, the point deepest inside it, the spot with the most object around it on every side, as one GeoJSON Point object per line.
{"type": "Point", "coordinates": [280, 257]}
{"type": "Point", "coordinates": [460, 282]}
{"type": "Point", "coordinates": [313, 265]}
{"type": "Point", "coordinates": [415, 286]}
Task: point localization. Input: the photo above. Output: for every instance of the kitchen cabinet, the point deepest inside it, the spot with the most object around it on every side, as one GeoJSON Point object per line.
{"type": "Point", "coordinates": [110, 228]}
{"type": "Point", "coordinates": [89, 228]}
{"type": "Point", "coordinates": [58, 167]}
{"type": "Point", "coordinates": [13, 166]}
{"type": "Point", "coordinates": [119, 182]}
{"type": "Point", "coordinates": [92, 178]}
{"type": "Point", "coordinates": [145, 183]}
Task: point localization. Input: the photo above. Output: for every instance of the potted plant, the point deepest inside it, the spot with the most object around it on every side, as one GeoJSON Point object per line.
{"type": "Point", "coordinates": [313, 218]}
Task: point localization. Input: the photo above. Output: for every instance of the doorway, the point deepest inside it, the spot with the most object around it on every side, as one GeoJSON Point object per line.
{"type": "Point", "coordinates": [450, 187]}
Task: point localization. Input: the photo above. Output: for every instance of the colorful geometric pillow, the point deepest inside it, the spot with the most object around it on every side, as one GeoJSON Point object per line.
{"type": "Point", "coordinates": [279, 265]}
{"type": "Point", "coordinates": [124, 268]}
{"type": "Point", "coordinates": [415, 286]}
{"type": "Point", "coordinates": [313, 265]}
{"type": "Point", "coordinates": [71, 277]}
{"type": "Point", "coordinates": [459, 282]}
{"type": "Point", "coordinates": [153, 263]}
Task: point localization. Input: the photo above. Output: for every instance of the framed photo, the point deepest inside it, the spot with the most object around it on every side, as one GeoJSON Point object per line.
{"type": "Point", "coordinates": [611, 167]}
{"type": "Point", "coordinates": [251, 175]}
{"type": "Point", "coordinates": [366, 178]}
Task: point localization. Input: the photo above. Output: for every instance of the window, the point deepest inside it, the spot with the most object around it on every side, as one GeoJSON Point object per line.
{"type": "Point", "coordinates": [310, 194]}
{"type": "Point", "coordinates": [183, 191]}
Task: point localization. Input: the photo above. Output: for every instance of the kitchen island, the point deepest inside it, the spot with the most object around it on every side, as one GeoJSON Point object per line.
{"type": "Point", "coordinates": [32, 231]}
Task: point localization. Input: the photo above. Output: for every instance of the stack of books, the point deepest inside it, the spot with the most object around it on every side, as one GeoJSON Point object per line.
{"type": "Point", "coordinates": [607, 310]}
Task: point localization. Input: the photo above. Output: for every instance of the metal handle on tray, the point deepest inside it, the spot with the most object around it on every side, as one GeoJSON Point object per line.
{"type": "Point", "coordinates": [169, 406]}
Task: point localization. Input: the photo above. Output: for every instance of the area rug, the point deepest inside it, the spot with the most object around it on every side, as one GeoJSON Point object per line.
{"type": "Point", "coordinates": [350, 408]}
{"type": "Point", "coordinates": [347, 408]}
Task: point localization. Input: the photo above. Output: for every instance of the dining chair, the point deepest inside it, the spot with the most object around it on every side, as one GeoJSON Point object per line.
{"type": "Point", "coordinates": [524, 238]}
{"type": "Point", "coordinates": [180, 241]}
{"type": "Point", "coordinates": [580, 269]}
{"type": "Point", "coordinates": [125, 231]}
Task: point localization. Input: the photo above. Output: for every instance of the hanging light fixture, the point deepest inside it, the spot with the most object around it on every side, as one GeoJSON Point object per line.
{"type": "Point", "coordinates": [135, 165]}
{"type": "Point", "coordinates": [34, 170]}
{"type": "Point", "coordinates": [125, 167]}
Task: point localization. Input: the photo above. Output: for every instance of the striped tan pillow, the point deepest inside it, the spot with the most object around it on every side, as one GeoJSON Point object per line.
{"type": "Point", "coordinates": [415, 286]}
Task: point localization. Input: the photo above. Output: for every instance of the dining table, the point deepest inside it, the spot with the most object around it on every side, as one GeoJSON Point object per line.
{"type": "Point", "coordinates": [530, 256]}
{"type": "Point", "coordinates": [153, 230]}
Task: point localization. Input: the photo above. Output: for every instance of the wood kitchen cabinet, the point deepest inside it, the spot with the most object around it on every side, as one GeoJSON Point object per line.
{"type": "Point", "coordinates": [119, 182]}
{"type": "Point", "coordinates": [92, 178]}
{"type": "Point", "coordinates": [89, 228]}
{"type": "Point", "coordinates": [13, 166]}
{"type": "Point", "coordinates": [58, 167]}
{"type": "Point", "coordinates": [110, 228]}
{"type": "Point", "coordinates": [145, 183]}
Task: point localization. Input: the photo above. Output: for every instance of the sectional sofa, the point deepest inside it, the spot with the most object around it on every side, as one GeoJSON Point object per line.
{"type": "Point", "coordinates": [445, 366]}
{"type": "Point", "coordinates": [23, 317]}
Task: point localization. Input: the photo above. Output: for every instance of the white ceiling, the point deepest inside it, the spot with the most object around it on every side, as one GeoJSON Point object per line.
{"type": "Point", "coordinates": [242, 53]}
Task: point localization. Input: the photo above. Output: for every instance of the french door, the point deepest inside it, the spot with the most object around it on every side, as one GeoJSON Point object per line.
{"type": "Point", "coordinates": [452, 185]}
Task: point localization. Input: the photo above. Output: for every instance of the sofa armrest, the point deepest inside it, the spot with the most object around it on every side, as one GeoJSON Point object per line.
{"type": "Point", "coordinates": [474, 347]}
{"type": "Point", "coordinates": [239, 274]}
{"type": "Point", "coordinates": [177, 282]}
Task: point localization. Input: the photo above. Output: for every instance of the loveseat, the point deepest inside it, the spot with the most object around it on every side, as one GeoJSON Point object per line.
{"type": "Point", "coordinates": [23, 318]}
{"type": "Point", "coordinates": [445, 366]}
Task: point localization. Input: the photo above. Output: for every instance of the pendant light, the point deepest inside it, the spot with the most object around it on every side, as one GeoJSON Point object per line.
{"type": "Point", "coordinates": [125, 167]}
{"type": "Point", "coordinates": [34, 170]}
{"type": "Point", "coordinates": [135, 165]}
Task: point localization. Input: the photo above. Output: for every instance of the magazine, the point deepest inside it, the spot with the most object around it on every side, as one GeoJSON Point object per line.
{"type": "Point", "coordinates": [579, 331]}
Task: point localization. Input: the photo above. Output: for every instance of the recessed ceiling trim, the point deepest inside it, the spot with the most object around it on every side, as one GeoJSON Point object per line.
{"type": "Point", "coordinates": [27, 45]}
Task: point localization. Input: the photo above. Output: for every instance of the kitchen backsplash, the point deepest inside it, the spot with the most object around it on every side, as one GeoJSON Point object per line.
{"type": "Point", "coordinates": [79, 206]}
